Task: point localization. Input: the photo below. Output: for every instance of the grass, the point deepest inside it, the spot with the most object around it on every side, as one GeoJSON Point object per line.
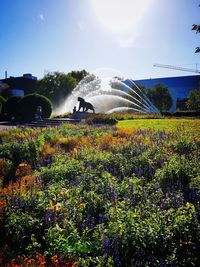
{"type": "Point", "coordinates": [191, 127]}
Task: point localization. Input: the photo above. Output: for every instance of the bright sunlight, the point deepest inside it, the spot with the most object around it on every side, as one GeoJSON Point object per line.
{"type": "Point", "coordinates": [120, 15]}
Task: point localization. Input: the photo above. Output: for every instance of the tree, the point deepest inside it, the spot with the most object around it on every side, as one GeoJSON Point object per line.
{"type": "Point", "coordinates": [160, 97]}
{"type": "Point", "coordinates": [56, 86]}
{"type": "Point", "coordinates": [2, 104]}
{"type": "Point", "coordinates": [12, 106]}
{"type": "Point", "coordinates": [5, 91]}
{"type": "Point", "coordinates": [78, 75]}
{"type": "Point", "coordinates": [196, 27]}
{"type": "Point", "coordinates": [193, 102]}
{"type": "Point", "coordinates": [28, 106]}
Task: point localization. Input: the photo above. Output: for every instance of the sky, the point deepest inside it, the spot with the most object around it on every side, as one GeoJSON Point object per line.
{"type": "Point", "coordinates": [118, 37]}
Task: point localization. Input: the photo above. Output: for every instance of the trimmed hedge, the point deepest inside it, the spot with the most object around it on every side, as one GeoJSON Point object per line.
{"type": "Point", "coordinates": [2, 102]}
{"type": "Point", "coordinates": [186, 113]}
{"type": "Point", "coordinates": [28, 106]}
{"type": "Point", "coordinates": [100, 119]}
{"type": "Point", "coordinates": [12, 106]}
{"type": "Point", "coordinates": [2, 108]}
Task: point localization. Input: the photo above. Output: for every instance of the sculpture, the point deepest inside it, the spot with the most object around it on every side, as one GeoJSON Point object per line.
{"type": "Point", "coordinates": [85, 105]}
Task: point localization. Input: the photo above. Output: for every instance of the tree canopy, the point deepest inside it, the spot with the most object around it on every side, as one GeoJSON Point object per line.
{"type": "Point", "coordinates": [2, 103]}
{"type": "Point", "coordinates": [193, 102]}
{"type": "Point", "coordinates": [5, 91]}
{"type": "Point", "coordinates": [58, 85]}
{"type": "Point", "coordinates": [196, 27]}
{"type": "Point", "coordinates": [160, 97]}
{"type": "Point", "coordinates": [78, 75]}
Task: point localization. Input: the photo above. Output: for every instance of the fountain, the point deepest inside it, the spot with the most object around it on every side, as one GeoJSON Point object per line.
{"type": "Point", "coordinates": [109, 95]}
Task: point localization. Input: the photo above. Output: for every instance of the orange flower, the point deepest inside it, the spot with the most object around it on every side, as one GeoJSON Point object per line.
{"type": "Point", "coordinates": [41, 259]}
{"type": "Point", "coordinates": [5, 190]}
{"type": "Point", "coordinates": [54, 259]}
{"type": "Point", "coordinates": [31, 261]}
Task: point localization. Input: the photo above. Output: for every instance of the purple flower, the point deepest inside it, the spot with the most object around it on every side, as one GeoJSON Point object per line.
{"type": "Point", "coordinates": [117, 262]}
{"type": "Point", "coordinates": [106, 243]}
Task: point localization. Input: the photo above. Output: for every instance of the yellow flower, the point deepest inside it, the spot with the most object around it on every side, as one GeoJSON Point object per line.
{"type": "Point", "coordinates": [188, 205]}
{"type": "Point", "coordinates": [51, 204]}
{"type": "Point", "coordinates": [22, 165]}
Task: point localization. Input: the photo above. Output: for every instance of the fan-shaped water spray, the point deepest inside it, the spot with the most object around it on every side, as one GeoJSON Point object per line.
{"type": "Point", "coordinates": [109, 95]}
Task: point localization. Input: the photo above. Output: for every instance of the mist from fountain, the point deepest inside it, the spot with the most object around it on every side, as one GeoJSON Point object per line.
{"type": "Point", "coordinates": [109, 95]}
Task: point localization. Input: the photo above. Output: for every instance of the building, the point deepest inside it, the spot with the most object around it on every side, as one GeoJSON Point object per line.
{"type": "Point", "coordinates": [179, 87]}
{"type": "Point", "coordinates": [23, 85]}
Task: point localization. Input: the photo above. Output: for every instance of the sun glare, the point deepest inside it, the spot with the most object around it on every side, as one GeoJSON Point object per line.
{"type": "Point", "coordinates": [120, 15]}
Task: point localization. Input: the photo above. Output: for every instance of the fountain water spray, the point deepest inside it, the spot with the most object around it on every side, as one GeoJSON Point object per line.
{"type": "Point", "coordinates": [109, 95]}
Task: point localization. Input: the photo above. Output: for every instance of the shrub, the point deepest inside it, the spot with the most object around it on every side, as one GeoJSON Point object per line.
{"type": "Point", "coordinates": [21, 226]}
{"type": "Point", "coordinates": [59, 172]}
{"type": "Point", "coordinates": [68, 143]}
{"type": "Point", "coordinates": [183, 145]}
{"type": "Point", "coordinates": [101, 119]}
{"type": "Point", "coordinates": [22, 152]}
{"type": "Point", "coordinates": [2, 104]}
{"type": "Point", "coordinates": [23, 169]}
{"type": "Point", "coordinates": [6, 170]}
{"type": "Point", "coordinates": [194, 192]}
{"type": "Point", "coordinates": [176, 173]}
{"type": "Point", "coordinates": [11, 106]}
{"type": "Point", "coordinates": [28, 106]}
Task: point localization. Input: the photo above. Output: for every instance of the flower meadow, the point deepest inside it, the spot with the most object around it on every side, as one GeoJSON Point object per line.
{"type": "Point", "coordinates": [86, 195]}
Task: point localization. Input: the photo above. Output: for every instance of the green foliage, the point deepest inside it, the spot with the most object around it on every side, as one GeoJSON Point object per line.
{"type": "Point", "coordinates": [121, 197]}
{"type": "Point", "coordinates": [193, 102]}
{"type": "Point", "coordinates": [56, 86]}
{"type": "Point", "coordinates": [183, 145]}
{"type": "Point", "coordinates": [101, 119]}
{"type": "Point", "coordinates": [2, 104]}
{"type": "Point", "coordinates": [177, 173]}
{"type": "Point", "coordinates": [66, 240]}
{"type": "Point", "coordinates": [195, 185]}
{"type": "Point", "coordinates": [196, 27]}
{"type": "Point", "coordinates": [161, 97]}
{"type": "Point", "coordinates": [6, 92]}
{"type": "Point", "coordinates": [78, 75]}
{"type": "Point", "coordinates": [12, 106]}
{"type": "Point", "coordinates": [18, 152]}
{"type": "Point", "coordinates": [61, 171]}
{"type": "Point", "coordinates": [28, 106]}
{"type": "Point", "coordinates": [21, 226]}
{"type": "Point", "coordinates": [6, 171]}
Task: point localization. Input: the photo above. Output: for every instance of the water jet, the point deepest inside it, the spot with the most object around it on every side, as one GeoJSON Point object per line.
{"type": "Point", "coordinates": [109, 95]}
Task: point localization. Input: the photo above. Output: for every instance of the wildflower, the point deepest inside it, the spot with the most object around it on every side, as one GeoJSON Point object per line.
{"type": "Point", "coordinates": [22, 165]}
{"type": "Point", "coordinates": [54, 259]}
{"type": "Point", "coordinates": [106, 243]}
{"type": "Point", "coordinates": [188, 205]}
{"type": "Point", "coordinates": [41, 259]}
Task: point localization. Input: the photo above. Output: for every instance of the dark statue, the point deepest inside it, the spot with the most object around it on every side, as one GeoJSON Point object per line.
{"type": "Point", "coordinates": [85, 105]}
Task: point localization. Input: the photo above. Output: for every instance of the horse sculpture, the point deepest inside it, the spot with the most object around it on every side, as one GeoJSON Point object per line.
{"type": "Point", "coordinates": [85, 105]}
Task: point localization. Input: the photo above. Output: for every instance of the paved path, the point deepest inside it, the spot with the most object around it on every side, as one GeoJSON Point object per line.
{"type": "Point", "coordinates": [6, 125]}
{"type": "Point", "coordinates": [44, 123]}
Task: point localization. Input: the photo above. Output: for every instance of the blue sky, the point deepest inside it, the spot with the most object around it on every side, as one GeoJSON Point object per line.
{"type": "Point", "coordinates": [128, 36]}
